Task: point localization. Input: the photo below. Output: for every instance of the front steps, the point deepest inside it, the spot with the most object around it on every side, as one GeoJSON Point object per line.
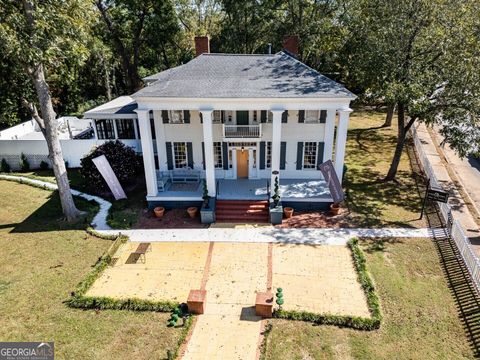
{"type": "Point", "coordinates": [242, 211]}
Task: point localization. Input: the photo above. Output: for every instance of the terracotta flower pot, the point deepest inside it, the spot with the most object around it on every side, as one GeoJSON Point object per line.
{"type": "Point", "coordinates": [335, 209]}
{"type": "Point", "coordinates": [288, 211]}
{"type": "Point", "coordinates": [192, 211]}
{"type": "Point", "coordinates": [159, 211]}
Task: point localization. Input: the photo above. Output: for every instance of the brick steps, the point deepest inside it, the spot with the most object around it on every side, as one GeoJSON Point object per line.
{"type": "Point", "coordinates": [243, 211]}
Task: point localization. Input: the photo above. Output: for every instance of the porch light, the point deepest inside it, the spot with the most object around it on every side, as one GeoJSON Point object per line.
{"type": "Point", "coordinates": [243, 149]}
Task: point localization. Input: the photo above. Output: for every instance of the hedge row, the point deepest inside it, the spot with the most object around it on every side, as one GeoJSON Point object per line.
{"type": "Point", "coordinates": [354, 322]}
{"type": "Point", "coordinates": [78, 298]}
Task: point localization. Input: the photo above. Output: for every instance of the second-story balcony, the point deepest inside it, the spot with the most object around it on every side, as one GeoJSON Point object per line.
{"type": "Point", "coordinates": [242, 131]}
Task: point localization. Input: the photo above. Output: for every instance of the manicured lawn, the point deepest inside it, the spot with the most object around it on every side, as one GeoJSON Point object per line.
{"type": "Point", "coordinates": [41, 261]}
{"type": "Point", "coordinates": [420, 318]}
{"type": "Point", "coordinates": [368, 156]}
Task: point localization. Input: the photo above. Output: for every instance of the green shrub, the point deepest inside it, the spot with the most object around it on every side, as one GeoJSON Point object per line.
{"type": "Point", "coordinates": [44, 165]}
{"type": "Point", "coordinates": [24, 164]}
{"type": "Point", "coordinates": [4, 167]}
{"type": "Point", "coordinates": [122, 159]}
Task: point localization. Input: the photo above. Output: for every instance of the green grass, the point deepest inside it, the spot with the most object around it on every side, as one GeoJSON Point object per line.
{"type": "Point", "coordinates": [420, 319]}
{"type": "Point", "coordinates": [368, 156]}
{"type": "Point", "coordinates": [42, 260]}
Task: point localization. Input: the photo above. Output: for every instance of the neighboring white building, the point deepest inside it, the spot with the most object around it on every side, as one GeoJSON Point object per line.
{"type": "Point", "coordinates": [237, 121]}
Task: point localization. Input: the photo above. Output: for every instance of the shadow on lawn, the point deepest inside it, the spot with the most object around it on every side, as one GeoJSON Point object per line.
{"type": "Point", "coordinates": [49, 217]}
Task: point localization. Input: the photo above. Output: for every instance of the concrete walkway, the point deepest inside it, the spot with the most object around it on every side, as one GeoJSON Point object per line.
{"type": "Point", "coordinates": [268, 234]}
{"type": "Point", "coordinates": [460, 210]}
{"type": "Point", "coordinates": [99, 222]}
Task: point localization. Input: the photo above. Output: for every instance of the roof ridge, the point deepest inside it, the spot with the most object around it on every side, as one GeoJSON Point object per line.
{"type": "Point", "coordinates": [232, 54]}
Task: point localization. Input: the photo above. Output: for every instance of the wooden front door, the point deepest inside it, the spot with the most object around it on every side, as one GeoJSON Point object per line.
{"type": "Point", "coordinates": [242, 164]}
{"type": "Point", "coordinates": [242, 117]}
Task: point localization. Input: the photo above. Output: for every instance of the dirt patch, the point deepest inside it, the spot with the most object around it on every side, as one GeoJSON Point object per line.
{"type": "Point", "coordinates": [317, 219]}
{"type": "Point", "coordinates": [173, 219]}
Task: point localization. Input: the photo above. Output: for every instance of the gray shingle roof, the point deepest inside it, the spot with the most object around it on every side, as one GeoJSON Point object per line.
{"type": "Point", "coordinates": [243, 76]}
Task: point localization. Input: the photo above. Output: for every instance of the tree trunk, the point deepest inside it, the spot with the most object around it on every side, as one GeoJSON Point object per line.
{"type": "Point", "coordinates": [390, 113]}
{"type": "Point", "coordinates": [54, 149]}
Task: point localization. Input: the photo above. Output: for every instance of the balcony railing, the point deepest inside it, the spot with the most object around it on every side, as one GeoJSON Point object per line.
{"type": "Point", "coordinates": [242, 131]}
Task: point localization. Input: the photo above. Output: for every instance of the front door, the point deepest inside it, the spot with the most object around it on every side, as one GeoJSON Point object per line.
{"type": "Point", "coordinates": [242, 164]}
{"type": "Point", "coordinates": [242, 117]}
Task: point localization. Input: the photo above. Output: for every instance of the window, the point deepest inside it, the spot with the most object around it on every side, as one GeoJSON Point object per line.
{"type": "Point", "coordinates": [309, 155]}
{"type": "Point", "coordinates": [105, 129]}
{"type": "Point", "coordinates": [217, 116]}
{"type": "Point", "coordinates": [180, 155]}
{"type": "Point", "coordinates": [255, 116]}
{"type": "Point", "coordinates": [268, 155]}
{"type": "Point", "coordinates": [229, 115]}
{"type": "Point", "coordinates": [270, 117]}
{"type": "Point", "coordinates": [311, 116]}
{"type": "Point", "coordinates": [125, 129]}
{"type": "Point", "coordinates": [175, 116]}
{"type": "Point", "coordinates": [217, 155]}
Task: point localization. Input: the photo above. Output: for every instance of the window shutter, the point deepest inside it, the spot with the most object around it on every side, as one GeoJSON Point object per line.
{"type": "Point", "coordinates": [165, 116]}
{"type": "Point", "coordinates": [283, 154]}
{"type": "Point", "coordinates": [201, 117]}
{"type": "Point", "coordinates": [222, 116]}
{"type": "Point", "coordinates": [285, 116]}
{"type": "Point", "coordinates": [299, 156]}
{"type": "Point", "coordinates": [203, 154]}
{"type": "Point", "coordinates": [263, 116]}
{"type": "Point", "coordinates": [186, 116]}
{"type": "Point", "coordinates": [189, 155]}
{"type": "Point", "coordinates": [323, 116]}
{"type": "Point", "coordinates": [225, 155]}
{"type": "Point", "coordinates": [321, 151]}
{"type": "Point", "coordinates": [262, 155]}
{"type": "Point", "coordinates": [301, 116]}
{"type": "Point", "coordinates": [169, 155]}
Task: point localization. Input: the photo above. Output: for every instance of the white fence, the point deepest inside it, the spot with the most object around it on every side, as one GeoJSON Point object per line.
{"type": "Point", "coordinates": [453, 225]}
{"type": "Point", "coordinates": [37, 151]}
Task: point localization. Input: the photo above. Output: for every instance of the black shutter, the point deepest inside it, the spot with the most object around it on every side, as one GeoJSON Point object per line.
{"type": "Point", "coordinates": [301, 116]}
{"type": "Point", "coordinates": [263, 116]}
{"type": "Point", "coordinates": [201, 117]}
{"type": "Point", "coordinates": [323, 116]}
{"type": "Point", "coordinates": [283, 154]}
{"type": "Point", "coordinates": [285, 116]}
{"type": "Point", "coordinates": [169, 155]}
{"type": "Point", "coordinates": [203, 154]}
{"type": "Point", "coordinates": [225, 155]}
{"type": "Point", "coordinates": [165, 116]}
{"type": "Point", "coordinates": [189, 155]}
{"type": "Point", "coordinates": [262, 155]}
{"type": "Point", "coordinates": [321, 151]}
{"type": "Point", "coordinates": [186, 116]}
{"type": "Point", "coordinates": [222, 116]}
{"type": "Point", "coordinates": [299, 156]}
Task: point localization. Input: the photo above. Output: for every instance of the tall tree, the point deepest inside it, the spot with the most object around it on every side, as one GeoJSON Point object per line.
{"type": "Point", "coordinates": [40, 35]}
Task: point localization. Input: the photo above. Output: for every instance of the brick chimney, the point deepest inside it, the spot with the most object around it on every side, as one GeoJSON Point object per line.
{"type": "Point", "coordinates": [290, 44]}
{"type": "Point", "coordinates": [202, 45]}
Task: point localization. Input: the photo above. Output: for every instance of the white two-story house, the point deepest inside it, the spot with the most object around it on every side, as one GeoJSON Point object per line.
{"type": "Point", "coordinates": [237, 121]}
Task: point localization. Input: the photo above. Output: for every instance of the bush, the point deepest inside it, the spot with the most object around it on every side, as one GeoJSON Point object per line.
{"type": "Point", "coordinates": [24, 164]}
{"type": "Point", "coordinates": [122, 159]}
{"type": "Point", "coordinates": [44, 165]}
{"type": "Point", "coordinates": [4, 167]}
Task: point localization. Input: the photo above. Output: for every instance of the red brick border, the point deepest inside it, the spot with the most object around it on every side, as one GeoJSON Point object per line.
{"type": "Point", "coordinates": [206, 269]}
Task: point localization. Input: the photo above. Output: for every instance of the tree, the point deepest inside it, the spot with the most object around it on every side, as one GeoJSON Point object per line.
{"type": "Point", "coordinates": [40, 35]}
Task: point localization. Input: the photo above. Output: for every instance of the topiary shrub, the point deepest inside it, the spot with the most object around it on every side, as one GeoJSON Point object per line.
{"type": "Point", "coordinates": [44, 165]}
{"type": "Point", "coordinates": [122, 159]}
{"type": "Point", "coordinates": [4, 167]}
{"type": "Point", "coordinates": [24, 164]}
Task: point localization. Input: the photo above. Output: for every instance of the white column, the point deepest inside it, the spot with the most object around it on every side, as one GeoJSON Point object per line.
{"type": "Point", "coordinates": [115, 130]}
{"type": "Point", "coordinates": [329, 134]}
{"type": "Point", "coordinates": [147, 151]}
{"type": "Point", "coordinates": [161, 147]}
{"type": "Point", "coordinates": [342, 129]}
{"type": "Point", "coordinates": [208, 143]}
{"type": "Point", "coordinates": [276, 142]}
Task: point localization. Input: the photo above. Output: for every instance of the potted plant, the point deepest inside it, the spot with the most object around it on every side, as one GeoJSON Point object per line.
{"type": "Point", "coordinates": [159, 211]}
{"type": "Point", "coordinates": [205, 196]}
{"type": "Point", "coordinates": [288, 211]}
{"type": "Point", "coordinates": [192, 211]}
{"type": "Point", "coordinates": [276, 193]}
{"type": "Point", "coordinates": [276, 210]}
{"type": "Point", "coordinates": [335, 208]}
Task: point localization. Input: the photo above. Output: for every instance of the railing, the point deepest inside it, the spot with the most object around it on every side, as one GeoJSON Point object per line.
{"type": "Point", "coordinates": [454, 227]}
{"type": "Point", "coordinates": [242, 131]}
